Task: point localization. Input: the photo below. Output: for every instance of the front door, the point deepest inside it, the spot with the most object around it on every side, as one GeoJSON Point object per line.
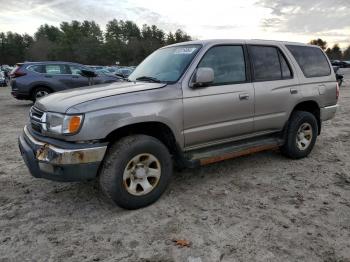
{"type": "Point", "coordinates": [224, 109]}
{"type": "Point", "coordinates": [77, 80]}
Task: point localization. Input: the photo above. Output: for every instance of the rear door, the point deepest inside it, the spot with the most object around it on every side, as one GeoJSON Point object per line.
{"type": "Point", "coordinates": [224, 109]}
{"type": "Point", "coordinates": [276, 87]}
{"type": "Point", "coordinates": [58, 75]}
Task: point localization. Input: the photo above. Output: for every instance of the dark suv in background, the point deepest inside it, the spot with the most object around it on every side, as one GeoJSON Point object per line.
{"type": "Point", "coordinates": [32, 80]}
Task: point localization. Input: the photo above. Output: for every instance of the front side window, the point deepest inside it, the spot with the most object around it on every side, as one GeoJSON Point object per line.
{"type": "Point", "coordinates": [166, 64]}
{"type": "Point", "coordinates": [227, 62]}
{"type": "Point", "coordinates": [75, 70]}
{"type": "Point", "coordinates": [311, 60]}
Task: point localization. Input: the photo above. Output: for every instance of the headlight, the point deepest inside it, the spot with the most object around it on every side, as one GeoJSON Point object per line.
{"type": "Point", "coordinates": [63, 124]}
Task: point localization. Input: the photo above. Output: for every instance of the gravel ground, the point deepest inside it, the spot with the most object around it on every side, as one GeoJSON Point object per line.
{"type": "Point", "coordinates": [262, 207]}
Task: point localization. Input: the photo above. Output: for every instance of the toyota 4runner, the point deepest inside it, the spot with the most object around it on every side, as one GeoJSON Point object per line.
{"type": "Point", "coordinates": [187, 105]}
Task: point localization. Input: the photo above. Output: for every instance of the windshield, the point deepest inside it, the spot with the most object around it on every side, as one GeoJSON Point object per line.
{"type": "Point", "coordinates": [166, 64]}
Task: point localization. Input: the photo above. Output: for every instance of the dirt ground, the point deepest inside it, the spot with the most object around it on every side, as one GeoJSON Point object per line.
{"type": "Point", "coordinates": [262, 207]}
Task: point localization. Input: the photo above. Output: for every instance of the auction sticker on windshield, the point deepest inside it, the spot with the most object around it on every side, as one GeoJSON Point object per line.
{"type": "Point", "coordinates": [184, 50]}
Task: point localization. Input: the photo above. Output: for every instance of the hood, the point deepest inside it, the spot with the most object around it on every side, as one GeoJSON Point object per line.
{"type": "Point", "coordinates": [60, 102]}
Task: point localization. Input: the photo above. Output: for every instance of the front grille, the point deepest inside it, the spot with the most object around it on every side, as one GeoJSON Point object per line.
{"type": "Point", "coordinates": [37, 119]}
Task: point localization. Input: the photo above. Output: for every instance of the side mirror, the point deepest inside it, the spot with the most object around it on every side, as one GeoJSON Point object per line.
{"type": "Point", "coordinates": [88, 73]}
{"type": "Point", "coordinates": [203, 77]}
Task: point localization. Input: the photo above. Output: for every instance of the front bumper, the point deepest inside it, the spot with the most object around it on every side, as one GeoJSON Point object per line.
{"type": "Point", "coordinates": [74, 162]}
{"type": "Point", "coordinates": [328, 112]}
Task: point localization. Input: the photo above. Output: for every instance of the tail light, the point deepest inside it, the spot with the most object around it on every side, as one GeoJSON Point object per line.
{"type": "Point", "coordinates": [337, 91]}
{"type": "Point", "coordinates": [16, 72]}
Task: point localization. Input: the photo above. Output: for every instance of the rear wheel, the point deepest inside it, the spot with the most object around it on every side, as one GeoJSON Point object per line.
{"type": "Point", "coordinates": [136, 171]}
{"type": "Point", "coordinates": [40, 92]}
{"type": "Point", "coordinates": [302, 133]}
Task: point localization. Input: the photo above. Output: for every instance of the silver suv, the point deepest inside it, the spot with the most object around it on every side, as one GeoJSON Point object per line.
{"type": "Point", "coordinates": [187, 105]}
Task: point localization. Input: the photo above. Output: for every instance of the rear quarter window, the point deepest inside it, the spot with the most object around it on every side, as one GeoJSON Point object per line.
{"type": "Point", "coordinates": [311, 60]}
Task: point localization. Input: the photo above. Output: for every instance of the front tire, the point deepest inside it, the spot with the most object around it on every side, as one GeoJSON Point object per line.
{"type": "Point", "coordinates": [136, 171]}
{"type": "Point", "coordinates": [301, 135]}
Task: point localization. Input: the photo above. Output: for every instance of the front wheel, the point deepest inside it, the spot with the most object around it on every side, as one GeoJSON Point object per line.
{"type": "Point", "coordinates": [301, 137]}
{"type": "Point", "coordinates": [136, 171]}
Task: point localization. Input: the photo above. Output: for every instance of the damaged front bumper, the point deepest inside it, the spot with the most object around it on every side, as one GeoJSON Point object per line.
{"type": "Point", "coordinates": [58, 160]}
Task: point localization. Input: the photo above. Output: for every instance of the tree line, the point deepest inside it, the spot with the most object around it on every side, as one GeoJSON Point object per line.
{"type": "Point", "coordinates": [334, 52]}
{"type": "Point", "coordinates": [86, 43]}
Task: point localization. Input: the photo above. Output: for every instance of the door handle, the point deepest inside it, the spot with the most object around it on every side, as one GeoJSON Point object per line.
{"type": "Point", "coordinates": [244, 96]}
{"type": "Point", "coordinates": [293, 91]}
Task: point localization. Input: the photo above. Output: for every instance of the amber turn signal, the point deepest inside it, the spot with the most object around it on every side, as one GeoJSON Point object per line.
{"type": "Point", "coordinates": [74, 124]}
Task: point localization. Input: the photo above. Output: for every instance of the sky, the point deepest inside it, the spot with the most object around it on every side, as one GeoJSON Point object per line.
{"type": "Point", "coordinates": [292, 20]}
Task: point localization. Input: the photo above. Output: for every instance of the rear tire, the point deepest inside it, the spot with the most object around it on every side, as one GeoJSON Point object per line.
{"type": "Point", "coordinates": [40, 92]}
{"type": "Point", "coordinates": [301, 136]}
{"type": "Point", "coordinates": [136, 171]}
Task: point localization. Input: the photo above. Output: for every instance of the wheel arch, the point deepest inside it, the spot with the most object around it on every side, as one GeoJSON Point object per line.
{"type": "Point", "coordinates": [156, 129]}
{"type": "Point", "coordinates": [312, 107]}
{"type": "Point", "coordinates": [34, 87]}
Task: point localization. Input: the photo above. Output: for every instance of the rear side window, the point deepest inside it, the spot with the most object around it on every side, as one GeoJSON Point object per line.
{"type": "Point", "coordinates": [57, 69]}
{"type": "Point", "coordinates": [227, 62]}
{"type": "Point", "coordinates": [37, 68]}
{"type": "Point", "coordinates": [269, 63]}
{"type": "Point", "coordinates": [311, 60]}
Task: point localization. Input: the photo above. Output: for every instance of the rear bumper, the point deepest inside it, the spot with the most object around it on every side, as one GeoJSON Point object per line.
{"type": "Point", "coordinates": [328, 112]}
{"type": "Point", "coordinates": [60, 164]}
{"type": "Point", "coordinates": [19, 96]}
{"type": "Point", "coordinates": [17, 92]}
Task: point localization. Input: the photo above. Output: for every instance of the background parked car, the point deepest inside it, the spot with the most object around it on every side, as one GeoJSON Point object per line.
{"type": "Point", "coordinates": [32, 80]}
{"type": "Point", "coordinates": [341, 64]}
{"type": "Point", "coordinates": [339, 77]}
{"type": "Point", "coordinates": [2, 79]}
{"type": "Point", "coordinates": [6, 69]}
{"type": "Point", "coordinates": [105, 72]}
{"type": "Point", "coordinates": [125, 71]}
{"type": "Point", "coordinates": [95, 67]}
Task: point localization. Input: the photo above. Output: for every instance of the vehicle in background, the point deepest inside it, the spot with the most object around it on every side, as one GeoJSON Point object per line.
{"type": "Point", "coordinates": [6, 69]}
{"type": "Point", "coordinates": [341, 64]}
{"type": "Point", "coordinates": [188, 104]}
{"type": "Point", "coordinates": [32, 80]}
{"type": "Point", "coordinates": [338, 76]}
{"type": "Point", "coordinates": [125, 71]}
{"type": "Point", "coordinates": [111, 70]}
{"type": "Point", "coordinates": [2, 79]}
{"type": "Point", "coordinates": [335, 63]}
{"type": "Point", "coordinates": [95, 67]}
{"type": "Point", "coordinates": [345, 64]}
{"type": "Point", "coordinates": [106, 72]}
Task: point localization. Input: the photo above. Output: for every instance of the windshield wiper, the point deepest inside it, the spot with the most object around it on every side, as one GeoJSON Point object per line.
{"type": "Point", "coordinates": [148, 78]}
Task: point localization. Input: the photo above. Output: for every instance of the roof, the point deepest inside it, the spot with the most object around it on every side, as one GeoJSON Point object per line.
{"type": "Point", "coordinates": [238, 41]}
{"type": "Point", "coordinates": [49, 62]}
